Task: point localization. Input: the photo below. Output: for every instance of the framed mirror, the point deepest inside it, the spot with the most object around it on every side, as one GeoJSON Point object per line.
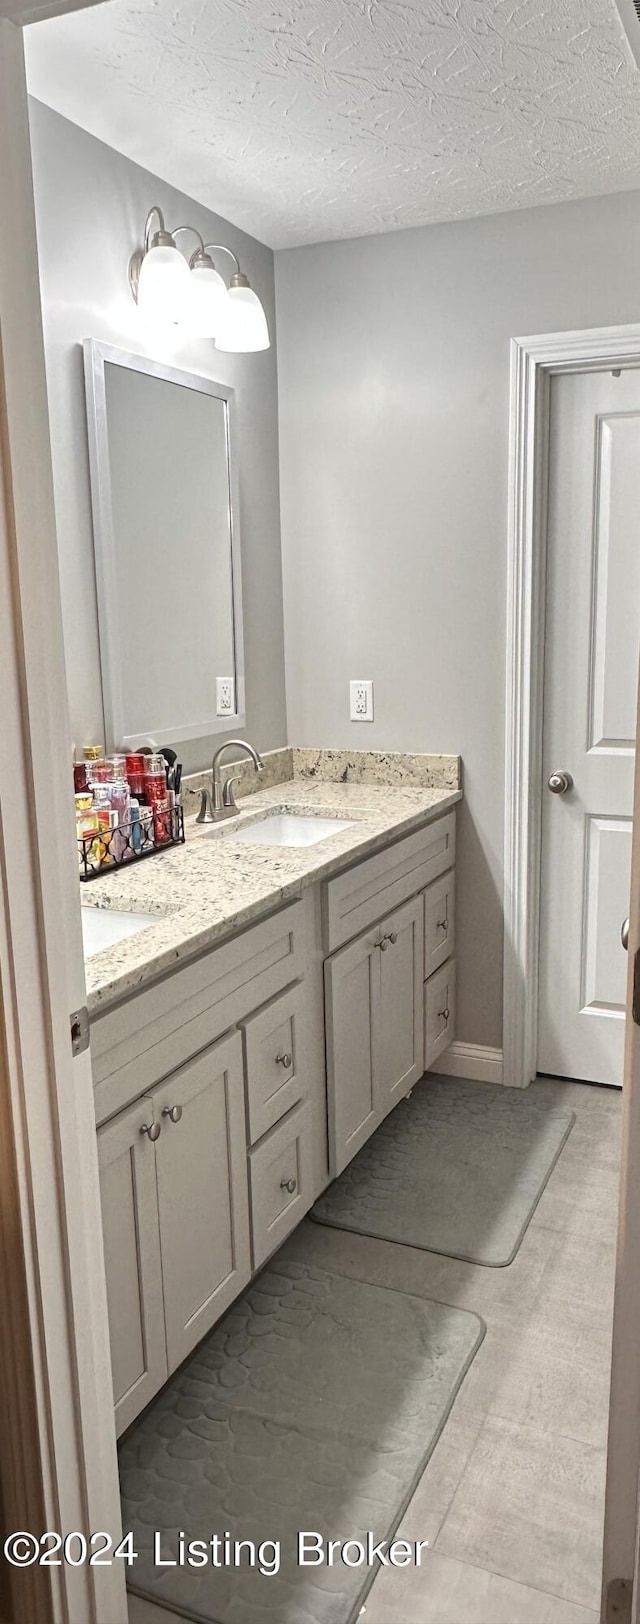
{"type": "Point", "coordinates": [167, 549]}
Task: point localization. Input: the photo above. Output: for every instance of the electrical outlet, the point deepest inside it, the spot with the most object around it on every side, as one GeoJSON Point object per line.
{"type": "Point", "coordinates": [361, 695]}
{"type": "Point", "coordinates": [225, 699]}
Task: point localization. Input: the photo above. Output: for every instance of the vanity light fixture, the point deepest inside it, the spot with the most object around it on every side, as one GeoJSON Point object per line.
{"type": "Point", "coordinates": [192, 294]}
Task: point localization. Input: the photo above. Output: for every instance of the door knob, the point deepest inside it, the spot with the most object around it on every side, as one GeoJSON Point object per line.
{"type": "Point", "coordinates": [624, 935]}
{"type": "Point", "coordinates": [560, 782]}
{"type": "Point", "coordinates": [173, 1112]}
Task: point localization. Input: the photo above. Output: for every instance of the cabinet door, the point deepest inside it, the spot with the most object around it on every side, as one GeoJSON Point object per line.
{"type": "Point", "coordinates": [202, 1193]}
{"type": "Point", "coordinates": [398, 1033]}
{"type": "Point", "coordinates": [127, 1163]}
{"type": "Point", "coordinates": [351, 987]}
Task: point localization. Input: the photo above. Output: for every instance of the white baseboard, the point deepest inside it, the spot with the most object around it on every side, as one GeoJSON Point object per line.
{"type": "Point", "coordinates": [473, 1060]}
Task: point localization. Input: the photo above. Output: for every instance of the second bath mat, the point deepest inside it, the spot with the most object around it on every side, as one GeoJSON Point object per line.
{"type": "Point", "coordinates": [313, 1406]}
{"type": "Point", "coordinates": [459, 1169]}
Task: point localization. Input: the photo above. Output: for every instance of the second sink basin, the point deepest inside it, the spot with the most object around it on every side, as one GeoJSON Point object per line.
{"type": "Point", "coordinates": [103, 927]}
{"type": "Point", "coordinates": [285, 829]}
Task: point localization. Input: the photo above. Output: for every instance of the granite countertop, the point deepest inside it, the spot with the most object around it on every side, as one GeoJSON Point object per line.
{"type": "Point", "coordinates": [203, 891]}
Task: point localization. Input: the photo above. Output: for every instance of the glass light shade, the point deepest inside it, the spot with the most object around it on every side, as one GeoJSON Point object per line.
{"type": "Point", "coordinates": [206, 302]}
{"type": "Point", "coordinates": [244, 324]}
{"type": "Point", "coordinates": [164, 285]}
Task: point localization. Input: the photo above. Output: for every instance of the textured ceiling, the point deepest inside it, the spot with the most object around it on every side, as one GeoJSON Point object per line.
{"type": "Point", "coordinates": [303, 120]}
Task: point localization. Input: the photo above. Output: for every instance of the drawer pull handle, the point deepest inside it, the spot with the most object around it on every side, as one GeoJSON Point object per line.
{"type": "Point", "coordinates": [283, 1060]}
{"type": "Point", "coordinates": [288, 1184]}
{"type": "Point", "coordinates": [173, 1112]}
{"type": "Point", "coordinates": [443, 1014]}
{"type": "Point", "coordinates": [152, 1129]}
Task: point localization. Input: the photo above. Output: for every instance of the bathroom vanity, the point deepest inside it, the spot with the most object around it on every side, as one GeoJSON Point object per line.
{"type": "Point", "coordinates": [280, 1002]}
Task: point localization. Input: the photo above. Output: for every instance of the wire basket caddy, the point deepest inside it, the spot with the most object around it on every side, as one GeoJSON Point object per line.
{"type": "Point", "coordinates": [104, 851]}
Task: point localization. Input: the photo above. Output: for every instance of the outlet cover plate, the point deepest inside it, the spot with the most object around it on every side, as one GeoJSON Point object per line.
{"type": "Point", "coordinates": [361, 699]}
{"type": "Point", "coordinates": [225, 696]}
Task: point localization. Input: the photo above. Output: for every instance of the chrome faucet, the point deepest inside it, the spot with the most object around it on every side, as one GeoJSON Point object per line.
{"type": "Point", "coordinates": [219, 802]}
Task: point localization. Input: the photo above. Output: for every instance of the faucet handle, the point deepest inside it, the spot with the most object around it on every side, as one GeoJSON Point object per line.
{"type": "Point", "coordinates": [205, 815]}
{"type": "Point", "coordinates": [228, 797]}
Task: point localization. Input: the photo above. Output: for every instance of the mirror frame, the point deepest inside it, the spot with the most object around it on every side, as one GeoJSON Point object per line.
{"type": "Point", "coordinates": [96, 354]}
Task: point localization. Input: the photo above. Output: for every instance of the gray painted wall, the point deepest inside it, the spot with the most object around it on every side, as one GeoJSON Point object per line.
{"type": "Point", "coordinates": [91, 205]}
{"type": "Point", "coordinates": [393, 364]}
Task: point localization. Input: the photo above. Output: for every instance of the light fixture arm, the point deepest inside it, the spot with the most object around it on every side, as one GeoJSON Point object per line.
{"type": "Point", "coordinates": [194, 231]}
{"type": "Point", "coordinates": [219, 248]}
{"type": "Point", "coordinates": [147, 225]}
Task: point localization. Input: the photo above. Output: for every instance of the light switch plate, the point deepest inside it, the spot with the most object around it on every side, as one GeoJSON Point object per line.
{"type": "Point", "coordinates": [225, 696]}
{"type": "Point", "coordinates": [361, 699]}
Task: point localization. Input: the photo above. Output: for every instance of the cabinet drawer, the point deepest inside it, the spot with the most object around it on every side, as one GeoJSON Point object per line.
{"type": "Point", "coordinates": [280, 1160]}
{"type": "Point", "coordinates": [353, 900]}
{"type": "Point", "coordinates": [142, 1041]}
{"type": "Point", "coordinates": [275, 1059]}
{"type": "Point", "coordinates": [439, 922]}
{"type": "Point", "coordinates": [439, 1012]}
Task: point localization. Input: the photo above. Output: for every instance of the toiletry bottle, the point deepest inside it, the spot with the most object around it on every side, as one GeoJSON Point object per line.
{"type": "Point", "coordinates": [135, 826]}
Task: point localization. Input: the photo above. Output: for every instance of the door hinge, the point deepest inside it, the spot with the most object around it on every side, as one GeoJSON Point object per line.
{"type": "Point", "coordinates": [79, 1023]}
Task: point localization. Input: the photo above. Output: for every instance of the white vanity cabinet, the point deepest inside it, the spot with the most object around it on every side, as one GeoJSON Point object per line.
{"type": "Point", "coordinates": [230, 1091]}
{"type": "Point", "coordinates": [225, 1146]}
{"type": "Point", "coordinates": [175, 1219]}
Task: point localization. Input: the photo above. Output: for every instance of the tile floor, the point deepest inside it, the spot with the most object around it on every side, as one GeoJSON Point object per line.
{"type": "Point", "coordinates": [512, 1498]}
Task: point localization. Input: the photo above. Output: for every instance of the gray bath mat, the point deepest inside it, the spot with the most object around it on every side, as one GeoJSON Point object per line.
{"type": "Point", "coordinates": [314, 1406]}
{"type": "Point", "coordinates": [459, 1168]}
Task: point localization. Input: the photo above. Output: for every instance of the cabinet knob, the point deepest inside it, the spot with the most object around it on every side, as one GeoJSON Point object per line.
{"type": "Point", "coordinates": [173, 1112]}
{"type": "Point", "coordinates": [442, 924]}
{"type": "Point", "coordinates": [443, 1014]}
{"type": "Point", "coordinates": [383, 945]}
{"type": "Point", "coordinates": [391, 937]}
{"type": "Point", "coordinates": [152, 1130]}
{"type": "Point", "coordinates": [283, 1060]}
{"type": "Point", "coordinates": [288, 1184]}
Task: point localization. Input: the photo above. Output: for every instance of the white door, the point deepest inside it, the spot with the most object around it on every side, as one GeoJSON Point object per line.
{"type": "Point", "coordinates": [591, 663]}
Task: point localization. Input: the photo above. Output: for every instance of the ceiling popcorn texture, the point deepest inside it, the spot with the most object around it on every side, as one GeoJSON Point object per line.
{"type": "Point", "coordinates": [306, 120]}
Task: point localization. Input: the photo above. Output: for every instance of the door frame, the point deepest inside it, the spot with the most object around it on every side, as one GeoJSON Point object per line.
{"type": "Point", "coordinates": [534, 361]}
{"type": "Point", "coordinates": [58, 1460]}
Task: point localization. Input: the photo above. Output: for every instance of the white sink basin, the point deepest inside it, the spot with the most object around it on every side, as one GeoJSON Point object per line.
{"type": "Point", "coordinates": [285, 829]}
{"type": "Point", "coordinates": [103, 927]}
